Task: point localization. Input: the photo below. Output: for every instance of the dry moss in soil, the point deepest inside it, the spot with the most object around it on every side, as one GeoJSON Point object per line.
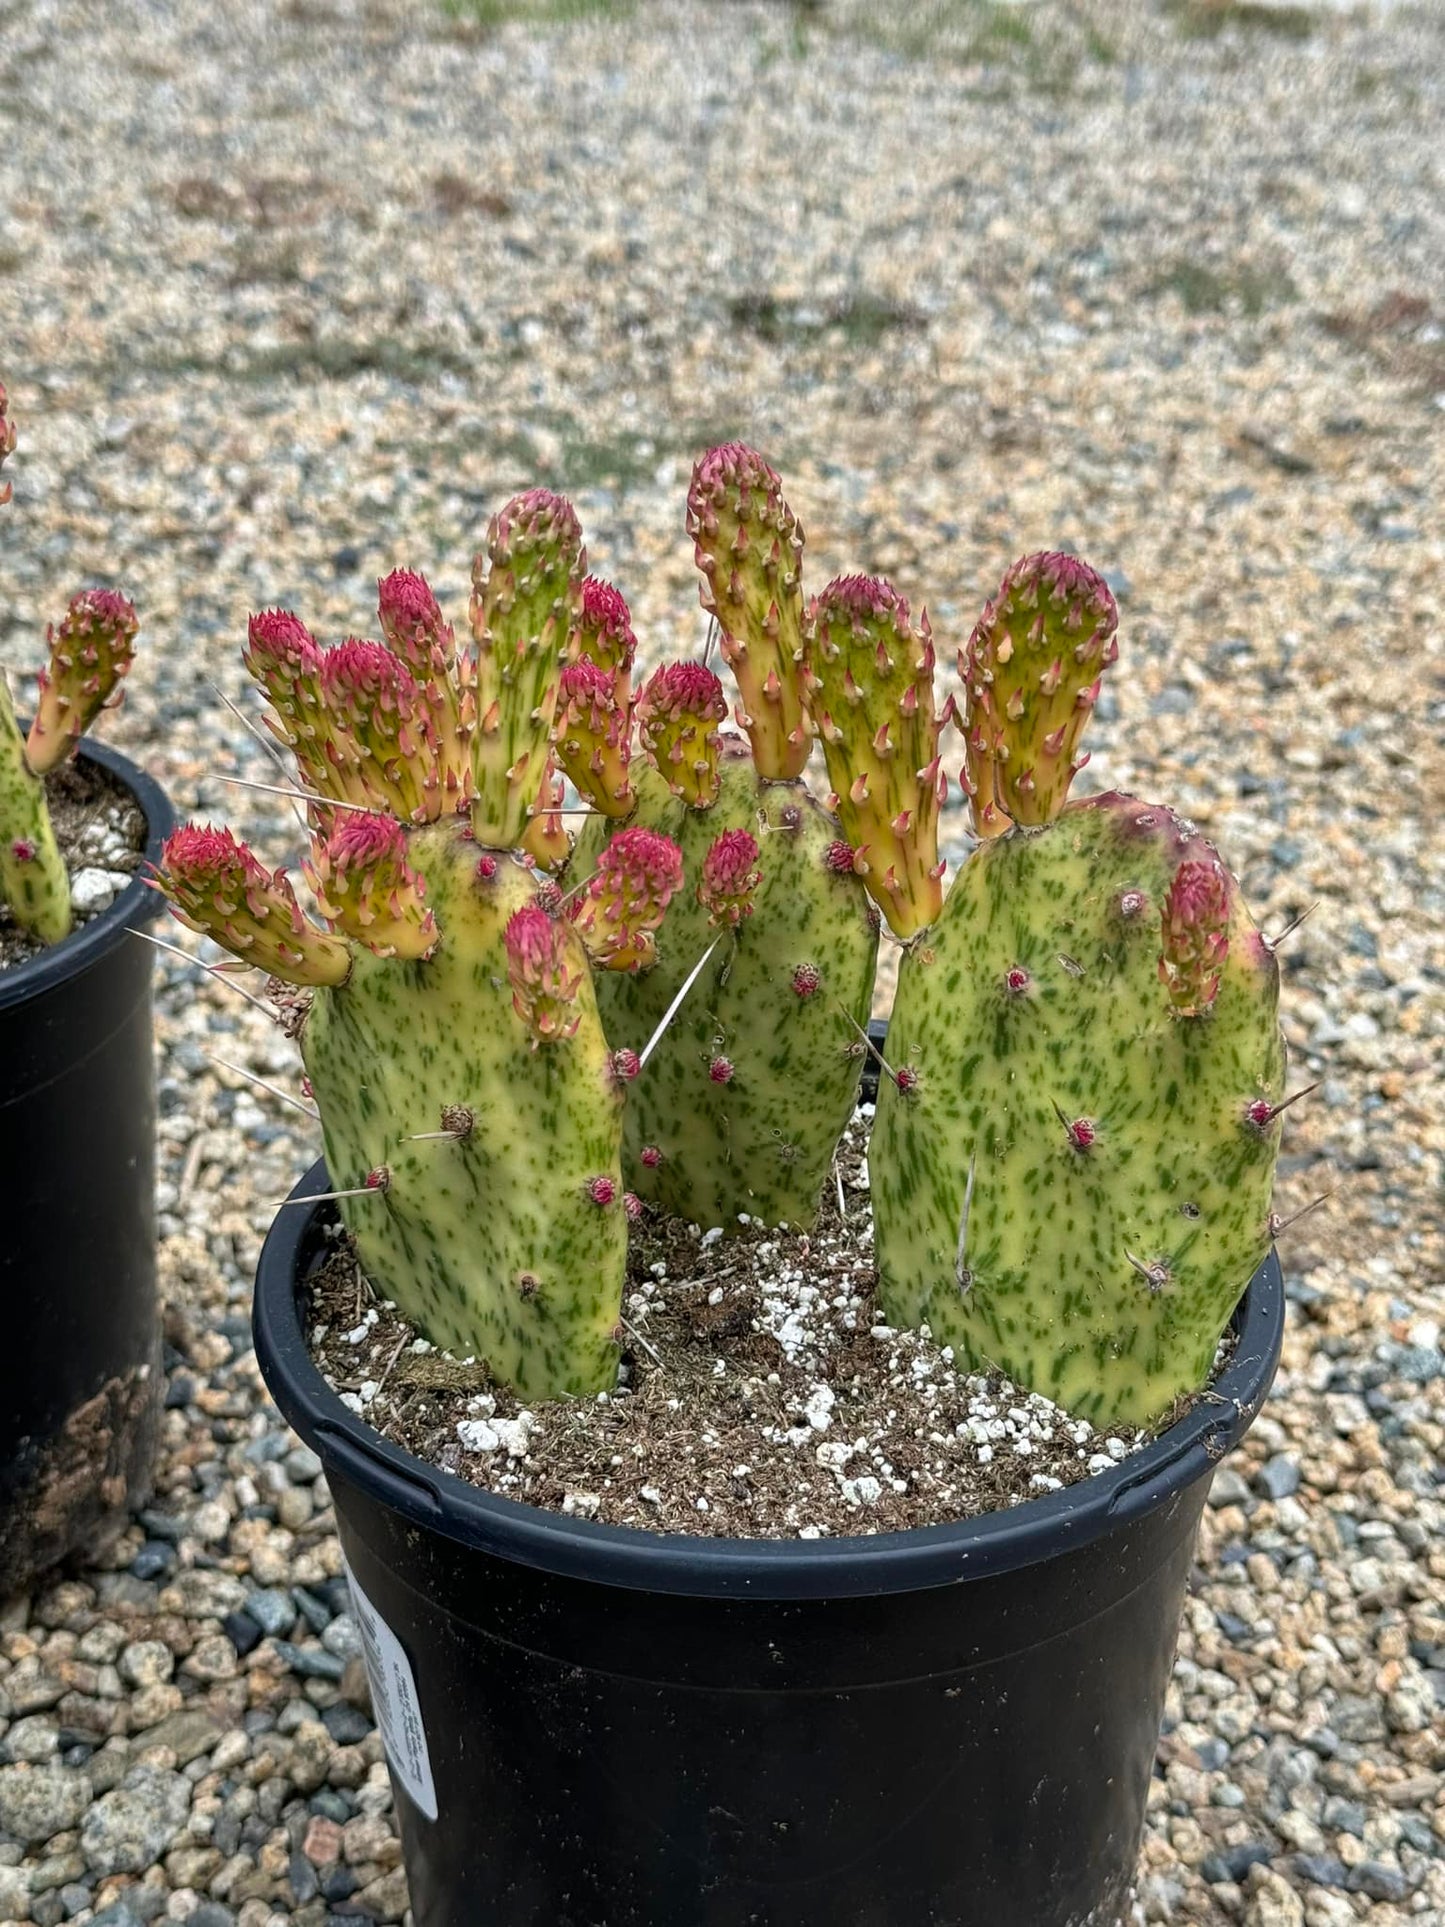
{"type": "Point", "coordinates": [98, 826]}
{"type": "Point", "coordinates": [760, 1395]}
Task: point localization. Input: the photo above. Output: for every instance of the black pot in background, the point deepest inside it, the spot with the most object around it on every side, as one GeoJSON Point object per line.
{"type": "Point", "coordinates": [80, 1379]}
{"type": "Point", "coordinates": [591, 1726]}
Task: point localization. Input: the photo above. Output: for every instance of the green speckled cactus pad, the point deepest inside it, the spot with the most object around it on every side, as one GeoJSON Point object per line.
{"type": "Point", "coordinates": [492, 1243]}
{"type": "Point", "coordinates": [1120, 1195]}
{"type": "Point", "coordinates": [760, 1142]}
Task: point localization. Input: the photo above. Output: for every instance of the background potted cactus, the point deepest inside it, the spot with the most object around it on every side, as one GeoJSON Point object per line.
{"type": "Point", "coordinates": [1076, 1125]}
{"type": "Point", "coordinates": [81, 1387]}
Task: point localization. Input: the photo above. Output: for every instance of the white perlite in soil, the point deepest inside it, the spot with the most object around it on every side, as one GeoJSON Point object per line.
{"type": "Point", "coordinates": [761, 1395]}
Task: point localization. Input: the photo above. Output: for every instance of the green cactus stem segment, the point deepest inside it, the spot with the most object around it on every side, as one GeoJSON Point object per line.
{"type": "Point", "coordinates": [1031, 674]}
{"type": "Point", "coordinates": [593, 737]}
{"type": "Point", "coordinates": [749, 546]}
{"type": "Point", "coordinates": [870, 677]}
{"type": "Point", "coordinates": [495, 1244]}
{"type": "Point", "coordinates": [545, 838]}
{"type": "Point", "coordinates": [91, 648]}
{"type": "Point", "coordinates": [415, 628]}
{"type": "Point", "coordinates": [638, 873]}
{"type": "Point", "coordinates": [1120, 1197]}
{"type": "Point", "coordinates": [366, 887]}
{"type": "Point", "coordinates": [678, 714]}
{"type": "Point", "coordinates": [526, 590]}
{"type": "Point", "coordinates": [762, 1140]}
{"type": "Point", "coordinates": [33, 883]}
{"type": "Point", "coordinates": [216, 885]}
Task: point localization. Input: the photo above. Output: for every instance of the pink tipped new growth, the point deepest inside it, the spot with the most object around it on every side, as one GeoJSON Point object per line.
{"type": "Point", "coordinates": [216, 885]}
{"type": "Point", "coordinates": [602, 633]}
{"type": "Point", "coordinates": [91, 648]}
{"type": "Point", "coordinates": [366, 887]}
{"type": "Point", "coordinates": [416, 630]}
{"type": "Point", "coordinates": [678, 715]}
{"type": "Point", "coordinates": [545, 972]}
{"type": "Point", "coordinates": [638, 873]}
{"type": "Point", "coordinates": [1031, 674]}
{"type": "Point", "coordinates": [592, 737]}
{"type": "Point", "coordinates": [1195, 936]}
{"type": "Point", "coordinates": [381, 740]}
{"type": "Point", "coordinates": [284, 659]}
{"type": "Point", "coordinates": [730, 877]}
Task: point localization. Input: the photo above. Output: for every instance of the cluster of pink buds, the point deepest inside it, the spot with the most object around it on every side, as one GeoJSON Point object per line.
{"type": "Point", "coordinates": [217, 886]}
{"type": "Point", "coordinates": [366, 887]}
{"type": "Point", "coordinates": [638, 874]}
{"type": "Point", "coordinates": [545, 970]}
{"type": "Point", "coordinates": [678, 715]}
{"type": "Point", "coordinates": [593, 737]}
{"type": "Point", "coordinates": [1195, 921]}
{"type": "Point", "coordinates": [730, 877]}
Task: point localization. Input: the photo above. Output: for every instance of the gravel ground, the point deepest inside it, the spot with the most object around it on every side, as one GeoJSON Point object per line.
{"type": "Point", "coordinates": [292, 293]}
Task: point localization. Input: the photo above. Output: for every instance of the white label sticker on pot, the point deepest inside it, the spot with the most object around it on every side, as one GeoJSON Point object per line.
{"type": "Point", "coordinates": [394, 1700]}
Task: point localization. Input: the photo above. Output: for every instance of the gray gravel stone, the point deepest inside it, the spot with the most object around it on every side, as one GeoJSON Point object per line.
{"type": "Point", "coordinates": [37, 1802]}
{"type": "Point", "coordinates": [129, 1829]}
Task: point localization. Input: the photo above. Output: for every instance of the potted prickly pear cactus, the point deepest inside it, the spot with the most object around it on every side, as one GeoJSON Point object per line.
{"type": "Point", "coordinates": [81, 1387]}
{"type": "Point", "coordinates": [526, 1053]}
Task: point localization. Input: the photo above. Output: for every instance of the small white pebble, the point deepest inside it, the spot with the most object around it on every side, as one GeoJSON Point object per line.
{"type": "Point", "coordinates": [708, 1238]}
{"type": "Point", "coordinates": [477, 1435]}
{"type": "Point", "coordinates": [650, 1495]}
{"type": "Point", "coordinates": [715, 1296]}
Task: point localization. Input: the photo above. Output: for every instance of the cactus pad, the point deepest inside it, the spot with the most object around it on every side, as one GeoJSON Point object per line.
{"type": "Point", "coordinates": [1076, 1187]}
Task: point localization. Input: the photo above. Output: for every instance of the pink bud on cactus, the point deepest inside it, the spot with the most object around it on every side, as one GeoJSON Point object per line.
{"type": "Point", "coordinates": [730, 877]}
{"type": "Point", "coordinates": [284, 659]}
{"type": "Point", "coordinates": [678, 715]}
{"type": "Point", "coordinates": [1131, 905]}
{"type": "Point", "coordinates": [638, 873]}
{"type": "Point", "coordinates": [23, 850]}
{"type": "Point", "coordinates": [415, 628]}
{"type": "Point", "coordinates": [1195, 921]}
{"type": "Point", "coordinates": [366, 887]}
{"type": "Point", "coordinates": [1016, 981]}
{"type": "Point", "coordinates": [625, 1065]}
{"type": "Point", "coordinates": [486, 867]}
{"type": "Point", "coordinates": [721, 1070]}
{"type": "Point", "coordinates": [650, 1156]}
{"type": "Point", "coordinates": [841, 858]}
{"type": "Point", "coordinates": [807, 980]}
{"type": "Point", "coordinates": [1031, 678]}
{"type": "Point", "coordinates": [632, 1205]}
{"type": "Point", "coordinates": [870, 688]}
{"type": "Point", "coordinates": [216, 885]}
{"type": "Point", "coordinates": [593, 737]}
{"type": "Point", "coordinates": [7, 444]}
{"type": "Point", "coordinates": [91, 648]}
{"type": "Point", "coordinates": [749, 547]}
{"type": "Point", "coordinates": [545, 970]}
{"type": "Point", "coordinates": [906, 1079]}
{"type": "Point", "coordinates": [1082, 1132]}
{"type": "Point", "coordinates": [602, 1190]}
{"type": "Point", "coordinates": [602, 633]}
{"type": "Point", "coordinates": [381, 738]}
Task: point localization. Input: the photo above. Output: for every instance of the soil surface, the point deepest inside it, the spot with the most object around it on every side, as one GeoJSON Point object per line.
{"type": "Point", "coordinates": [101, 834]}
{"type": "Point", "coordinates": [762, 1395]}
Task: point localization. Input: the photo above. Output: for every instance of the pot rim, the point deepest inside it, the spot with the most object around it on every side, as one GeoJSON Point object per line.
{"type": "Point", "coordinates": [635, 1558]}
{"type": "Point", "coordinates": [136, 905]}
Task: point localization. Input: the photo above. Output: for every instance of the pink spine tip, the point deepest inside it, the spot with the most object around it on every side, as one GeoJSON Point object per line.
{"type": "Point", "coordinates": [806, 979]}
{"type": "Point", "coordinates": [721, 1071]}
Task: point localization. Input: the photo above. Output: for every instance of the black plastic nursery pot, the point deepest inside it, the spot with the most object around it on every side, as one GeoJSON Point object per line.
{"type": "Point", "coordinates": [592, 1726]}
{"type": "Point", "coordinates": [80, 1379]}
